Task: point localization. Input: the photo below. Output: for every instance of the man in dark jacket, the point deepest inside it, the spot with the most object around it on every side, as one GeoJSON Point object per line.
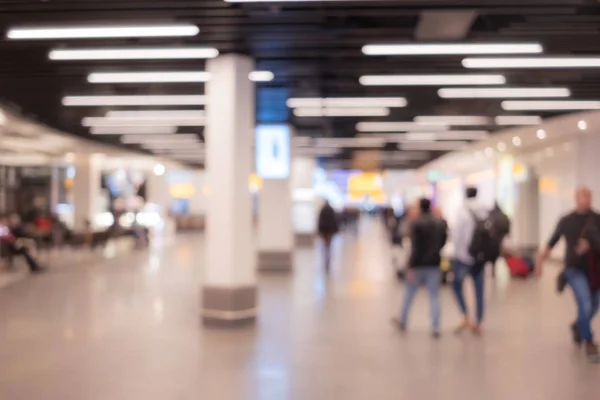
{"type": "Point", "coordinates": [328, 226]}
{"type": "Point", "coordinates": [428, 236]}
{"type": "Point", "coordinates": [581, 231]}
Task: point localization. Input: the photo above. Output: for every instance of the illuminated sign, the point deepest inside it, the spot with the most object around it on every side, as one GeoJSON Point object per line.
{"type": "Point", "coordinates": [273, 151]}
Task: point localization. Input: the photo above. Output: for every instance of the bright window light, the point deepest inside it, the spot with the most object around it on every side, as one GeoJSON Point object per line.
{"type": "Point", "coordinates": [134, 53]}
{"type": "Point", "coordinates": [94, 32]}
{"type": "Point", "coordinates": [518, 120]}
{"type": "Point", "coordinates": [474, 93]}
{"type": "Point", "coordinates": [139, 100]}
{"type": "Point", "coordinates": [549, 105]}
{"type": "Point", "coordinates": [132, 130]}
{"type": "Point", "coordinates": [308, 102]}
{"type": "Point", "coordinates": [342, 112]}
{"type": "Point", "coordinates": [148, 77]}
{"type": "Point", "coordinates": [463, 120]}
{"type": "Point", "coordinates": [451, 48]}
{"type": "Point", "coordinates": [530, 62]}
{"type": "Point", "coordinates": [398, 127]}
{"type": "Point", "coordinates": [431, 80]}
{"type": "Point", "coordinates": [156, 114]}
{"type": "Point", "coordinates": [102, 121]}
{"type": "Point", "coordinates": [433, 146]}
{"type": "Point", "coordinates": [261, 76]}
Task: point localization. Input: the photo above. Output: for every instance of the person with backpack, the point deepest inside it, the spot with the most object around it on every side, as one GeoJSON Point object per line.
{"type": "Point", "coordinates": [428, 236]}
{"type": "Point", "coordinates": [501, 231]}
{"type": "Point", "coordinates": [474, 245]}
{"type": "Point", "coordinates": [581, 231]}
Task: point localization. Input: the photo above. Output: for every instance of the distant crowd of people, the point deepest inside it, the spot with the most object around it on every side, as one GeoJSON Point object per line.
{"type": "Point", "coordinates": [477, 239]}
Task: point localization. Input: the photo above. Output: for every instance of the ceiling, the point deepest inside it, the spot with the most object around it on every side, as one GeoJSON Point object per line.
{"type": "Point", "coordinates": [313, 48]}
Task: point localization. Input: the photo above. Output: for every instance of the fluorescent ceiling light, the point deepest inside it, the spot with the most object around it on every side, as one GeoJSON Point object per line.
{"type": "Point", "coordinates": [518, 120]}
{"type": "Point", "coordinates": [156, 114]}
{"type": "Point", "coordinates": [185, 137]}
{"type": "Point", "coordinates": [342, 112]}
{"type": "Point", "coordinates": [398, 127]}
{"type": "Point", "coordinates": [172, 145]}
{"type": "Point", "coordinates": [307, 102]}
{"type": "Point", "coordinates": [549, 105]}
{"type": "Point", "coordinates": [102, 121]}
{"type": "Point", "coordinates": [148, 77]}
{"type": "Point", "coordinates": [431, 80]}
{"type": "Point", "coordinates": [139, 100]}
{"type": "Point", "coordinates": [452, 120]}
{"type": "Point", "coordinates": [132, 130]}
{"type": "Point", "coordinates": [98, 31]}
{"type": "Point", "coordinates": [530, 62]}
{"type": "Point", "coordinates": [510, 120]}
{"type": "Point", "coordinates": [261, 76]}
{"type": "Point", "coordinates": [433, 146]}
{"type": "Point", "coordinates": [451, 48]}
{"type": "Point", "coordinates": [134, 53]}
{"type": "Point", "coordinates": [449, 135]}
{"type": "Point", "coordinates": [350, 142]}
{"type": "Point", "coordinates": [503, 92]}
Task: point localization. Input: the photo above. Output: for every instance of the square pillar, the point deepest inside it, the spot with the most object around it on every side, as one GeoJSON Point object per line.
{"type": "Point", "coordinates": [275, 231]}
{"type": "Point", "coordinates": [86, 189]}
{"type": "Point", "coordinates": [229, 288]}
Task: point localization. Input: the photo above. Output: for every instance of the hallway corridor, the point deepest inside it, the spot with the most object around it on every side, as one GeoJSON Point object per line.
{"type": "Point", "coordinates": [130, 329]}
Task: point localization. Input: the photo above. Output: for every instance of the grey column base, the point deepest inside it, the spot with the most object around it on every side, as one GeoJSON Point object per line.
{"type": "Point", "coordinates": [305, 239]}
{"type": "Point", "coordinates": [277, 261]}
{"type": "Point", "coordinates": [228, 306]}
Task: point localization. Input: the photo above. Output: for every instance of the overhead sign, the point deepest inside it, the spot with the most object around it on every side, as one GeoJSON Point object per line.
{"type": "Point", "coordinates": [273, 151]}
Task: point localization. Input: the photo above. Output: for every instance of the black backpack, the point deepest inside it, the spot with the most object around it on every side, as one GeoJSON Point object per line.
{"type": "Point", "coordinates": [485, 244]}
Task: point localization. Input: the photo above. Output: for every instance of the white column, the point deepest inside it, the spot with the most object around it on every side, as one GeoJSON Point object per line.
{"type": "Point", "coordinates": [275, 231]}
{"type": "Point", "coordinates": [157, 190]}
{"type": "Point", "coordinates": [86, 189]}
{"type": "Point", "coordinates": [305, 207]}
{"type": "Point", "coordinates": [229, 287]}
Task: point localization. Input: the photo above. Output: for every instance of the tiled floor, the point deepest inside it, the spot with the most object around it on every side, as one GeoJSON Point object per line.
{"type": "Point", "coordinates": [130, 329]}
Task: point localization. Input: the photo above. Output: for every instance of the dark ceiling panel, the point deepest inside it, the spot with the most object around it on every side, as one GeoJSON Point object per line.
{"type": "Point", "coordinates": [314, 49]}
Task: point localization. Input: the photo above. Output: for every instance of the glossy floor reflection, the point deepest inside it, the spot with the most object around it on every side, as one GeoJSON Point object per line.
{"type": "Point", "coordinates": [130, 329]}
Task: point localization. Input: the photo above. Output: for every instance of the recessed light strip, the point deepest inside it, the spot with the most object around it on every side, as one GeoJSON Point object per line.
{"type": "Point", "coordinates": [132, 130]}
{"type": "Point", "coordinates": [475, 93]}
{"type": "Point", "coordinates": [99, 31]}
{"type": "Point", "coordinates": [433, 146]}
{"type": "Point", "coordinates": [261, 76]}
{"type": "Point", "coordinates": [156, 114]}
{"type": "Point", "coordinates": [133, 53]}
{"type": "Point", "coordinates": [412, 49]}
{"type": "Point", "coordinates": [398, 127]}
{"type": "Point", "coordinates": [139, 100]}
{"type": "Point", "coordinates": [548, 105]}
{"type": "Point", "coordinates": [102, 121]}
{"type": "Point", "coordinates": [307, 102]}
{"type": "Point", "coordinates": [531, 62]}
{"type": "Point", "coordinates": [518, 120]}
{"type": "Point", "coordinates": [342, 112]}
{"type": "Point", "coordinates": [431, 80]}
{"type": "Point", "coordinates": [148, 77]}
{"type": "Point", "coordinates": [462, 120]}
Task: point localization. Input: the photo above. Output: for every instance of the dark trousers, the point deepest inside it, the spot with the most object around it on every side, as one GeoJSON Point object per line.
{"type": "Point", "coordinates": [16, 250]}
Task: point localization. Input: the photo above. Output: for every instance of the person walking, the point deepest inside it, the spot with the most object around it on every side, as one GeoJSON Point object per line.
{"type": "Point", "coordinates": [328, 226]}
{"type": "Point", "coordinates": [581, 231]}
{"type": "Point", "coordinates": [428, 236]}
{"type": "Point", "coordinates": [469, 258]}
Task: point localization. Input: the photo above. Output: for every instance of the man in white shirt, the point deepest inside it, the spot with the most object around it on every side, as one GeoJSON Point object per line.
{"type": "Point", "coordinates": [464, 264]}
